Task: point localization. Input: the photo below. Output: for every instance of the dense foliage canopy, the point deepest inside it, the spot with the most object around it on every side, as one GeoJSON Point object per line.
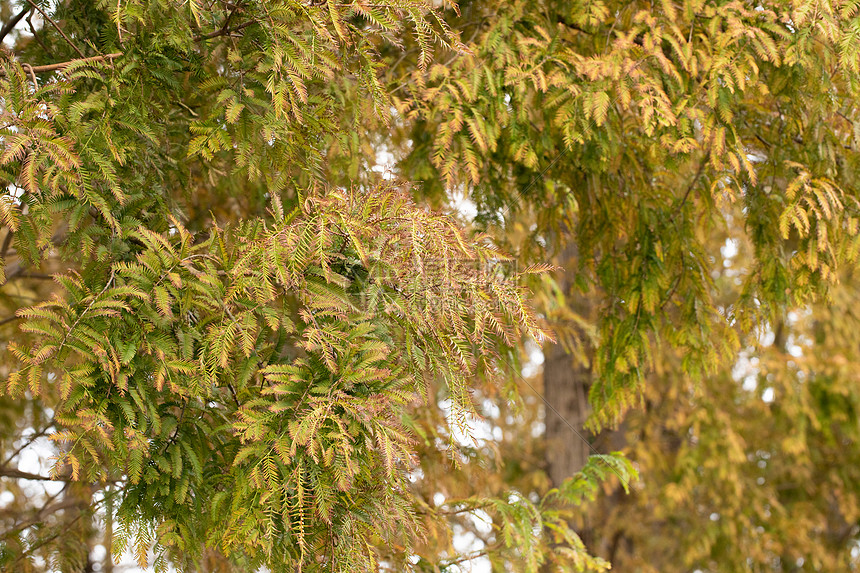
{"type": "Point", "coordinates": [243, 316]}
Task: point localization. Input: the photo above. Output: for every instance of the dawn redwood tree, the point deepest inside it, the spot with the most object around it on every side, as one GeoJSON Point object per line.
{"type": "Point", "coordinates": [248, 348]}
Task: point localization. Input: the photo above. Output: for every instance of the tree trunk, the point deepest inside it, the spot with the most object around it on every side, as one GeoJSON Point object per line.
{"type": "Point", "coordinates": [567, 380]}
{"type": "Point", "coordinates": [107, 563]}
{"type": "Point", "coordinates": [566, 383]}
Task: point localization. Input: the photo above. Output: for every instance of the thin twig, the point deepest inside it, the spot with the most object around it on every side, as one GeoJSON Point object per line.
{"type": "Point", "coordinates": [692, 186]}
{"type": "Point", "coordinates": [33, 31]}
{"type": "Point", "coordinates": [29, 442]}
{"type": "Point", "coordinates": [55, 25]}
{"type": "Point", "coordinates": [94, 59]}
{"type": "Point", "coordinates": [224, 31]}
{"type": "Point", "coordinates": [188, 109]}
{"type": "Point", "coordinates": [9, 319]}
{"type": "Point", "coordinates": [18, 474]}
{"type": "Point", "coordinates": [10, 25]}
{"type": "Point", "coordinates": [235, 397]}
{"type": "Point", "coordinates": [67, 503]}
{"type": "Point", "coordinates": [29, 68]}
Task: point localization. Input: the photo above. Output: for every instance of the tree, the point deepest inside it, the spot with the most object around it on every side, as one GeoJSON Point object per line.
{"type": "Point", "coordinates": [259, 351]}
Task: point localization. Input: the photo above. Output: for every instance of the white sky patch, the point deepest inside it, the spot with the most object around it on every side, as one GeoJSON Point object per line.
{"type": "Point", "coordinates": [466, 542]}
{"type": "Point", "coordinates": [535, 360]}
{"type": "Point", "coordinates": [462, 205]}
{"type": "Point", "coordinates": [746, 370]}
{"type": "Point", "coordinates": [415, 475]}
{"type": "Point", "coordinates": [98, 553]}
{"type": "Point", "coordinates": [483, 522]}
{"type": "Point", "coordinates": [385, 163]}
{"type": "Point", "coordinates": [36, 18]}
{"type": "Point", "coordinates": [730, 249]}
{"type": "Point", "coordinates": [472, 433]}
{"type": "Point", "coordinates": [36, 458]}
{"type": "Point", "coordinates": [767, 337]}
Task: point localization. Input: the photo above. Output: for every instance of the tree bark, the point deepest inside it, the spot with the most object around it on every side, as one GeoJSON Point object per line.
{"type": "Point", "coordinates": [567, 379]}
{"type": "Point", "coordinates": [566, 383]}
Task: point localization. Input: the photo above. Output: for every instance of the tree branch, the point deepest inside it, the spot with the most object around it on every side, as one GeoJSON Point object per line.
{"type": "Point", "coordinates": [692, 185]}
{"type": "Point", "coordinates": [10, 25]}
{"type": "Point", "coordinates": [30, 439]}
{"type": "Point", "coordinates": [55, 25]}
{"type": "Point", "coordinates": [95, 59]}
{"type": "Point", "coordinates": [18, 474]}
{"type": "Point", "coordinates": [7, 240]}
{"type": "Point", "coordinates": [9, 319]}
{"type": "Point", "coordinates": [66, 503]}
{"type": "Point", "coordinates": [223, 31]}
{"type": "Point", "coordinates": [61, 65]}
{"type": "Point", "coordinates": [29, 20]}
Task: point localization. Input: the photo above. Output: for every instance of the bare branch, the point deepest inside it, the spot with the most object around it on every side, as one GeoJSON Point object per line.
{"type": "Point", "coordinates": [55, 25]}
{"type": "Point", "coordinates": [223, 31]}
{"type": "Point", "coordinates": [18, 474]}
{"type": "Point", "coordinates": [10, 25]}
{"type": "Point", "coordinates": [9, 319]}
{"type": "Point", "coordinates": [61, 65]}
{"type": "Point", "coordinates": [30, 439]}
{"type": "Point", "coordinates": [33, 31]}
{"type": "Point", "coordinates": [40, 516]}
